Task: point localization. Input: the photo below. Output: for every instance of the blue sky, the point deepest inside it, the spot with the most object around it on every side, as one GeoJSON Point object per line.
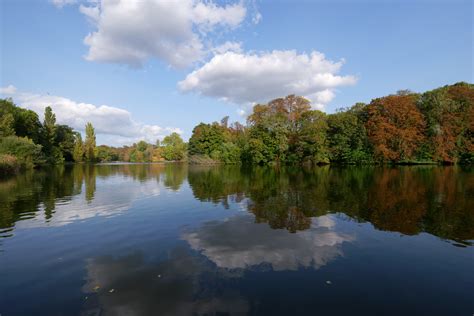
{"type": "Point", "coordinates": [161, 66]}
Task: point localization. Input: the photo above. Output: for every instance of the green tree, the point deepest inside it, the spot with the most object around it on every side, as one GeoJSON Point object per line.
{"type": "Point", "coordinates": [275, 131]}
{"type": "Point", "coordinates": [312, 144]}
{"type": "Point", "coordinates": [89, 144]}
{"type": "Point", "coordinates": [49, 128]}
{"type": "Point", "coordinates": [347, 136]}
{"type": "Point", "coordinates": [229, 153]}
{"type": "Point", "coordinates": [106, 153]}
{"type": "Point", "coordinates": [52, 151]}
{"type": "Point", "coordinates": [266, 144]}
{"type": "Point", "coordinates": [142, 145]}
{"type": "Point", "coordinates": [174, 148]}
{"type": "Point", "coordinates": [78, 153]}
{"type": "Point", "coordinates": [206, 138]}
{"type": "Point", "coordinates": [6, 125]}
{"type": "Point", "coordinates": [142, 152]}
{"type": "Point", "coordinates": [65, 139]}
{"type": "Point", "coordinates": [25, 122]}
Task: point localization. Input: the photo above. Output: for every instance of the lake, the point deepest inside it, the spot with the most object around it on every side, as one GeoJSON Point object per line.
{"type": "Point", "coordinates": [172, 239]}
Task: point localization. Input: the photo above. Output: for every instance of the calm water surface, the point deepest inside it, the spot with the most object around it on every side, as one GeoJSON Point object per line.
{"type": "Point", "coordinates": [178, 240]}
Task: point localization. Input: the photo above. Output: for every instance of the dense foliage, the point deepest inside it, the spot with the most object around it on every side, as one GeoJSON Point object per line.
{"type": "Point", "coordinates": [217, 141]}
{"type": "Point", "coordinates": [22, 149]}
{"type": "Point", "coordinates": [434, 127]}
{"type": "Point", "coordinates": [20, 122]}
{"type": "Point", "coordinates": [172, 148]}
{"type": "Point", "coordinates": [395, 127]}
{"type": "Point", "coordinates": [347, 136]}
{"type": "Point", "coordinates": [26, 142]}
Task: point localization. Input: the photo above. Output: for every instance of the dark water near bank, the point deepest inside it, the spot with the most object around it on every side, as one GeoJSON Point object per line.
{"type": "Point", "coordinates": [178, 240]}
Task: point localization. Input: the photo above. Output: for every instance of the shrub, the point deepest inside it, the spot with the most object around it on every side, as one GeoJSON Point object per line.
{"type": "Point", "coordinates": [8, 164]}
{"type": "Point", "coordinates": [27, 153]}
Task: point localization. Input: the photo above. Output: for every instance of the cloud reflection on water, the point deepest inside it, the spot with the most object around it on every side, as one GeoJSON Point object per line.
{"type": "Point", "coordinates": [186, 283]}
{"type": "Point", "coordinates": [239, 243]}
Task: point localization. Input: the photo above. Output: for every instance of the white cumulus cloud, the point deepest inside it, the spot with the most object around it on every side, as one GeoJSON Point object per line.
{"type": "Point", "coordinates": [247, 78]}
{"type": "Point", "coordinates": [133, 31]}
{"type": "Point", "coordinates": [113, 124]}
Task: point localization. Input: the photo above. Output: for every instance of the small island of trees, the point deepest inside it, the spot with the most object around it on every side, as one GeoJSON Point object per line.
{"type": "Point", "coordinates": [405, 128]}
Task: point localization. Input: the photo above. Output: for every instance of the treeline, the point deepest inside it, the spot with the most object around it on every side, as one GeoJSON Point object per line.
{"type": "Point", "coordinates": [433, 127]}
{"type": "Point", "coordinates": [26, 142]}
{"type": "Point", "coordinates": [171, 148]}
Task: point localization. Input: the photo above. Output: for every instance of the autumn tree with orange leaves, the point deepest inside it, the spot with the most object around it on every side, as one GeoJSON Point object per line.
{"type": "Point", "coordinates": [395, 127]}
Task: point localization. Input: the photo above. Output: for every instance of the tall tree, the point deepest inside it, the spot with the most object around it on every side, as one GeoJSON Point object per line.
{"type": "Point", "coordinates": [51, 150]}
{"type": "Point", "coordinates": [49, 129]}
{"type": "Point", "coordinates": [89, 144]}
{"type": "Point", "coordinates": [78, 153]}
